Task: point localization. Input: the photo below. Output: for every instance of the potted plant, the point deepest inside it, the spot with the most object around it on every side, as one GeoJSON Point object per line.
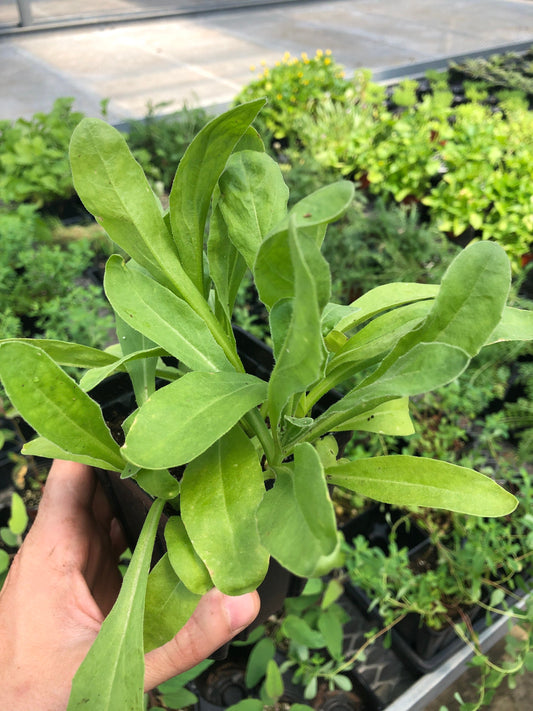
{"type": "Point", "coordinates": [231, 430]}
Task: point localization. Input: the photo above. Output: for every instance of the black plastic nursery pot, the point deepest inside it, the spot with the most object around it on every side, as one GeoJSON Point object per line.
{"type": "Point", "coordinates": [420, 647]}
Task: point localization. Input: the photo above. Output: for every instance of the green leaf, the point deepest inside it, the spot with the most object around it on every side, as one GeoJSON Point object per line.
{"type": "Point", "coordinates": [54, 405]}
{"type": "Point", "coordinates": [342, 682]}
{"type": "Point", "coordinates": [383, 298]}
{"type": "Point", "coordinates": [515, 325]}
{"type": "Point", "coordinates": [296, 629]}
{"type": "Point", "coordinates": [305, 530]}
{"type": "Point", "coordinates": [331, 629]}
{"type": "Point", "coordinates": [162, 317]}
{"type": "Point", "coordinates": [416, 481]}
{"type": "Point", "coordinates": [247, 705]}
{"type": "Point", "coordinates": [333, 592]}
{"type": "Point", "coordinates": [169, 604]}
{"type": "Point", "coordinates": [19, 518]}
{"type": "Point", "coordinates": [141, 370]}
{"type": "Point", "coordinates": [116, 658]}
{"type": "Point", "coordinates": [259, 657]}
{"type": "Point", "coordinates": [148, 357]}
{"type": "Point", "coordinates": [221, 490]}
{"type": "Point", "coordinates": [74, 354]}
{"type": "Point", "coordinates": [389, 418]}
{"type": "Point", "coordinates": [4, 565]}
{"type": "Point", "coordinates": [113, 187]}
{"type": "Point", "coordinates": [253, 199]}
{"type": "Point", "coordinates": [158, 483]}
{"type": "Point", "coordinates": [273, 681]}
{"type": "Point", "coordinates": [179, 699]}
{"type": "Point", "coordinates": [186, 563]}
{"type": "Point", "coordinates": [315, 211]}
{"type": "Point", "coordinates": [301, 359]}
{"type": "Point", "coordinates": [198, 173]}
{"type": "Point", "coordinates": [183, 419]}
{"type": "Point", "coordinates": [41, 447]}
{"type": "Point", "coordinates": [426, 367]}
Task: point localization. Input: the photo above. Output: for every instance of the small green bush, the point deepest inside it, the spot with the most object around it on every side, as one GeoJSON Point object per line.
{"type": "Point", "coordinates": [34, 163]}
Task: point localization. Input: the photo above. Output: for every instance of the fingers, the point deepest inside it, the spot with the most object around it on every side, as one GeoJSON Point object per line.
{"type": "Point", "coordinates": [216, 620]}
{"type": "Point", "coordinates": [70, 486]}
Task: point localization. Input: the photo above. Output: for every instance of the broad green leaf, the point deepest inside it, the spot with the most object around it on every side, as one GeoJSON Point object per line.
{"type": "Point", "coordinates": [18, 519]}
{"type": "Point", "coordinates": [259, 657]}
{"type": "Point", "coordinates": [198, 173]}
{"type": "Point", "coordinates": [390, 418]}
{"type": "Point", "coordinates": [95, 376]}
{"type": "Point", "coordinates": [425, 367]}
{"type": "Point", "coordinates": [372, 342]}
{"type": "Point", "coordinates": [274, 270]}
{"type": "Point", "coordinates": [250, 141]}
{"type": "Point", "coordinates": [116, 658]}
{"type": "Point", "coordinates": [162, 317]}
{"type": "Point", "coordinates": [74, 354]}
{"type": "Point", "coordinates": [186, 563]}
{"type": "Point", "coordinates": [54, 405]}
{"type": "Point", "coordinates": [273, 680]}
{"type": "Point", "coordinates": [169, 604]}
{"type": "Point", "coordinates": [183, 419]}
{"type": "Point", "coordinates": [469, 304]}
{"type": "Point", "coordinates": [403, 480]}
{"type": "Point", "coordinates": [226, 266]}
{"type": "Point", "coordinates": [179, 699]}
{"type": "Point", "coordinates": [247, 705]}
{"type": "Point", "coordinates": [305, 531]}
{"type": "Point", "coordinates": [330, 627]}
{"type": "Point", "coordinates": [113, 187]}
{"type": "Point", "coordinates": [333, 592]}
{"type": "Point", "coordinates": [515, 325]}
{"type": "Point", "coordinates": [383, 298]}
{"type": "Point", "coordinates": [315, 211]}
{"type": "Point", "coordinates": [220, 491]}
{"type": "Point", "coordinates": [253, 198]}
{"type": "Point", "coordinates": [297, 629]}
{"type": "Point", "coordinates": [141, 370]}
{"type": "Point", "coordinates": [301, 358]}
{"type": "Point", "coordinates": [158, 483]}
{"type": "Point", "coordinates": [42, 447]}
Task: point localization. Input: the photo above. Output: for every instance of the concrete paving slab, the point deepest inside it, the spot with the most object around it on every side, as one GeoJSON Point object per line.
{"type": "Point", "coordinates": [205, 59]}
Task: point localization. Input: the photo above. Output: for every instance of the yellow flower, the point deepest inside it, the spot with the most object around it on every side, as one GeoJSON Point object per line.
{"type": "Point", "coordinates": [328, 52]}
{"type": "Point", "coordinates": [286, 56]}
{"type": "Point", "coordinates": [279, 97]}
{"type": "Point", "coordinates": [300, 75]}
{"type": "Point", "coordinates": [252, 67]}
{"type": "Point", "coordinates": [319, 53]}
{"type": "Point", "coordinates": [327, 61]}
{"type": "Point", "coordinates": [305, 82]}
{"type": "Point", "coordinates": [304, 56]}
{"type": "Point", "coordinates": [293, 99]}
{"type": "Point", "coordinates": [263, 63]}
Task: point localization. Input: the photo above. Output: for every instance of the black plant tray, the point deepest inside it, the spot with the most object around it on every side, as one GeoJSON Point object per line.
{"type": "Point", "coordinates": [420, 647]}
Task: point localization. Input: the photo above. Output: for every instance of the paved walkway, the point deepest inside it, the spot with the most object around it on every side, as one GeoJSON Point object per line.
{"type": "Point", "coordinates": [204, 59]}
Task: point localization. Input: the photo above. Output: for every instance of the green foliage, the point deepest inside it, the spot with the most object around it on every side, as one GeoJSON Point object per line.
{"type": "Point", "coordinates": [43, 287]}
{"type": "Point", "coordinates": [159, 142]}
{"type": "Point", "coordinates": [34, 156]}
{"type": "Point", "coordinates": [11, 535]}
{"type": "Point", "coordinates": [231, 430]}
{"type": "Point", "coordinates": [510, 70]}
{"type": "Point", "coordinates": [296, 85]}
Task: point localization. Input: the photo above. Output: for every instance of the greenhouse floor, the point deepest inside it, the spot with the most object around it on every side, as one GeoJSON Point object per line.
{"type": "Point", "coordinates": [111, 50]}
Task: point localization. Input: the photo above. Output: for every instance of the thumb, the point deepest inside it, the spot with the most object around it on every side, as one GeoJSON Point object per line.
{"type": "Point", "coordinates": [216, 620]}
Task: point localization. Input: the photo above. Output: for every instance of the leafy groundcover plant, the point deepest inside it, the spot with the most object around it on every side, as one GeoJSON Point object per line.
{"type": "Point", "coordinates": [231, 430]}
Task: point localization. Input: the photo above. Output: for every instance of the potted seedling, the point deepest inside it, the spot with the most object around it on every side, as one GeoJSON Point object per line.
{"type": "Point", "coordinates": [257, 458]}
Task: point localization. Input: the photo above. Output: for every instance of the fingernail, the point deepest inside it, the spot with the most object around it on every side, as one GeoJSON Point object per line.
{"type": "Point", "coordinates": [242, 610]}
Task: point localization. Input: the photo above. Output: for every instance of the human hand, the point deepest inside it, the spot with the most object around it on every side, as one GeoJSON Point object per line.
{"type": "Point", "coordinates": [62, 584]}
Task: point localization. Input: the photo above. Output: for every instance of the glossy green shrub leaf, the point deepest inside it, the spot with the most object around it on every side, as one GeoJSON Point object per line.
{"type": "Point", "coordinates": [183, 419]}
{"type": "Point", "coordinates": [515, 325]}
{"type": "Point", "coordinates": [158, 483]}
{"type": "Point", "coordinates": [162, 317]}
{"type": "Point", "coordinates": [273, 680]}
{"type": "Point", "coordinates": [221, 490]}
{"type": "Point", "coordinates": [54, 405]}
{"type": "Point", "coordinates": [169, 604]}
{"type": "Point", "coordinates": [116, 658]}
{"type": "Point", "coordinates": [95, 376]}
{"type": "Point", "coordinates": [253, 199]}
{"type": "Point", "coordinates": [18, 519]}
{"type": "Point", "coordinates": [331, 630]}
{"type": "Point", "coordinates": [74, 354]}
{"type": "Point", "coordinates": [416, 481]}
{"type": "Point", "coordinates": [186, 563]}
{"type": "Point", "coordinates": [196, 177]}
{"type": "Point", "coordinates": [297, 629]}
{"type": "Point", "coordinates": [305, 531]}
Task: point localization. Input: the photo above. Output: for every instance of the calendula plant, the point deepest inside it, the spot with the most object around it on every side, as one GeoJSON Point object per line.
{"type": "Point", "coordinates": [231, 430]}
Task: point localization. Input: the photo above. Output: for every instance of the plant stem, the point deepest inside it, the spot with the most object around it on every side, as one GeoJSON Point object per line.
{"type": "Point", "coordinates": [264, 435]}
